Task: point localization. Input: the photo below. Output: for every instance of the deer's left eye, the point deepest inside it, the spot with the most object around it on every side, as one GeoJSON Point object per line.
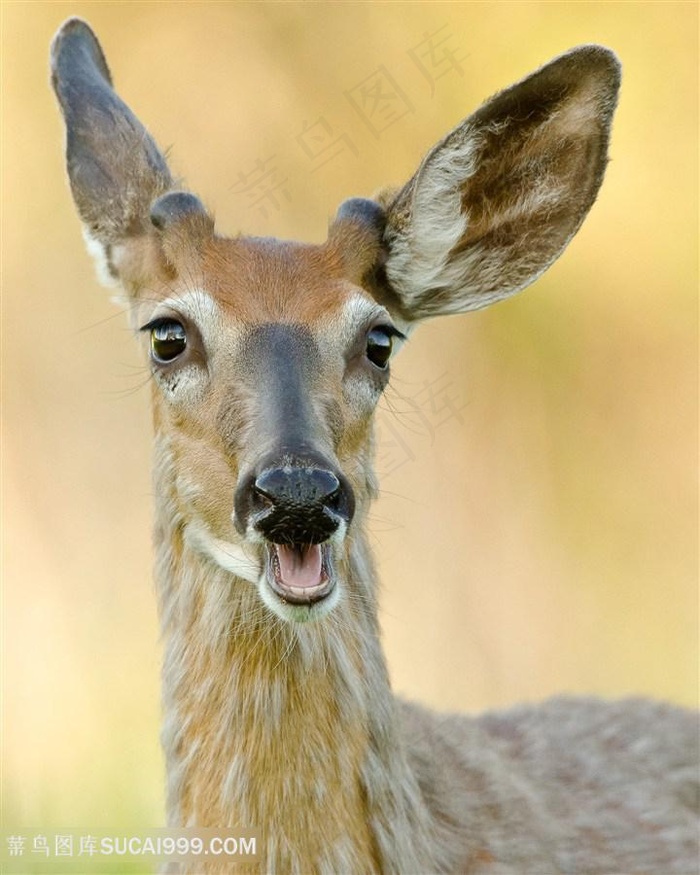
{"type": "Point", "coordinates": [379, 346]}
{"type": "Point", "coordinates": [168, 340]}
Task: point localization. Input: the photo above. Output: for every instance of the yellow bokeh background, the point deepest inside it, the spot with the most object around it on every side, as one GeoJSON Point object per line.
{"type": "Point", "coordinates": [537, 530]}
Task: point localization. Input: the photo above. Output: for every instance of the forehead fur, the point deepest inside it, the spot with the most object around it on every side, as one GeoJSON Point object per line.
{"type": "Point", "coordinates": [269, 280]}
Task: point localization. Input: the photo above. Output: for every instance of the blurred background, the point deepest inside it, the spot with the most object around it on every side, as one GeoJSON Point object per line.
{"type": "Point", "coordinates": [537, 530]}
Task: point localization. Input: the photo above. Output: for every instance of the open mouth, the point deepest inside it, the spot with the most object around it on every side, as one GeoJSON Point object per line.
{"type": "Point", "coordinates": [300, 574]}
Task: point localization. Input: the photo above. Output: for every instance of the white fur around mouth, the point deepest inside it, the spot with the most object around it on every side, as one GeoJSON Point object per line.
{"type": "Point", "coordinates": [254, 561]}
{"type": "Point", "coordinates": [238, 559]}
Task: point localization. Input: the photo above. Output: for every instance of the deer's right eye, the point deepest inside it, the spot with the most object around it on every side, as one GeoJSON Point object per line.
{"type": "Point", "coordinates": [168, 340]}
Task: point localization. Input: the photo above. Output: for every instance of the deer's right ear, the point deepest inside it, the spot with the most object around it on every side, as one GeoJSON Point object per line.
{"type": "Point", "coordinates": [117, 174]}
{"type": "Point", "coordinates": [497, 201]}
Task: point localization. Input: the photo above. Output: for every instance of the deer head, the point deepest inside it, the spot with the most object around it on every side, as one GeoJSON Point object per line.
{"type": "Point", "coordinates": [268, 357]}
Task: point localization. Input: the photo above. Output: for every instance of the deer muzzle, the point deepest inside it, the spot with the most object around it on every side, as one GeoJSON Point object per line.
{"type": "Point", "coordinates": [297, 506]}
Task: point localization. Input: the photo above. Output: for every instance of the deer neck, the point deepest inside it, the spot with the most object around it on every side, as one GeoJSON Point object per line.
{"type": "Point", "coordinates": [267, 725]}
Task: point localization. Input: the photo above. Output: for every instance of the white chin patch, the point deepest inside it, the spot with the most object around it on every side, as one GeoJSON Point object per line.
{"type": "Point", "coordinates": [297, 584]}
{"type": "Point", "coordinates": [302, 610]}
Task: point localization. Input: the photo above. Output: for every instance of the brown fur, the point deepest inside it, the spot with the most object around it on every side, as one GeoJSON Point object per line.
{"type": "Point", "coordinates": [285, 722]}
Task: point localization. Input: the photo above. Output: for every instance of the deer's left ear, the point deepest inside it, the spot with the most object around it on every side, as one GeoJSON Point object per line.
{"type": "Point", "coordinates": [498, 199]}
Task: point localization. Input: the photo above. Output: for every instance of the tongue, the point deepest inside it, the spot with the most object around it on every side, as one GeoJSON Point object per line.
{"type": "Point", "coordinates": [299, 566]}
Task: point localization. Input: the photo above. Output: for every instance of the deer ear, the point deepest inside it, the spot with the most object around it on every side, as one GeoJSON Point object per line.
{"type": "Point", "coordinates": [498, 199]}
{"type": "Point", "coordinates": [116, 171]}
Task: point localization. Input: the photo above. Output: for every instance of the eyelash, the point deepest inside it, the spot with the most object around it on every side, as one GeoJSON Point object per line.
{"type": "Point", "coordinates": [159, 322]}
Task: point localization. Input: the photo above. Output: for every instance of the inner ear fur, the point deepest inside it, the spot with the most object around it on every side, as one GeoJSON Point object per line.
{"type": "Point", "coordinates": [498, 199]}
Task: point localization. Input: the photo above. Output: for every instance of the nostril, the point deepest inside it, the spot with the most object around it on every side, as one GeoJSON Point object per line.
{"type": "Point", "coordinates": [261, 499]}
{"type": "Point", "coordinates": [333, 500]}
{"type": "Point", "coordinates": [324, 485]}
{"type": "Point", "coordinates": [274, 485]}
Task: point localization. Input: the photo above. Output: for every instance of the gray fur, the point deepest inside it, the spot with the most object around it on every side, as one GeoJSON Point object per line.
{"type": "Point", "coordinates": [568, 786]}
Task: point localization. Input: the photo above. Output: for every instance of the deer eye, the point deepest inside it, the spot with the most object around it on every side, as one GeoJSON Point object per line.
{"type": "Point", "coordinates": [379, 345]}
{"type": "Point", "coordinates": [168, 340]}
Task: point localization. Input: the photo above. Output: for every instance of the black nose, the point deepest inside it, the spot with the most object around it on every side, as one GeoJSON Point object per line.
{"type": "Point", "coordinates": [298, 487]}
{"type": "Point", "coordinates": [295, 504]}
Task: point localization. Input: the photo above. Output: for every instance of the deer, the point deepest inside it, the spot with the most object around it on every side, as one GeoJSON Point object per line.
{"type": "Point", "coordinates": [267, 360]}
